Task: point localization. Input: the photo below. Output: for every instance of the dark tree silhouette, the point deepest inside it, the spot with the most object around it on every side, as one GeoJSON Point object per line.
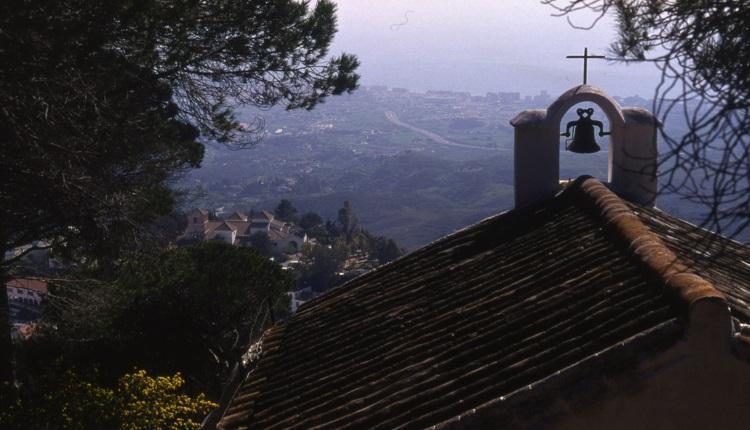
{"type": "Point", "coordinates": [262, 243]}
{"type": "Point", "coordinates": [384, 250]}
{"type": "Point", "coordinates": [103, 103]}
{"type": "Point", "coordinates": [348, 222]}
{"type": "Point", "coordinates": [310, 220]}
{"type": "Point", "coordinates": [285, 211]}
{"type": "Point", "coordinates": [191, 309]}
{"type": "Point", "coordinates": [325, 263]}
{"type": "Point", "coordinates": [702, 49]}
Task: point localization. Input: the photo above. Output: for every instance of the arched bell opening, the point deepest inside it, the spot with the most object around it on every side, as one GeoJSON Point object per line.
{"type": "Point", "coordinates": [606, 110]}
{"type": "Point", "coordinates": [584, 151]}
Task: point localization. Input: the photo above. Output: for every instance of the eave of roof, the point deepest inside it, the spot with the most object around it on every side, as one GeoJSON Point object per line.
{"type": "Point", "coordinates": [723, 262]}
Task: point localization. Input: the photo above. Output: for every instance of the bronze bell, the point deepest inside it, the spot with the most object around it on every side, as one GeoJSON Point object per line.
{"type": "Point", "coordinates": [583, 141]}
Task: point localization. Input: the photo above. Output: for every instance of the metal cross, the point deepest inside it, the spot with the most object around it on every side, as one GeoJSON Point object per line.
{"type": "Point", "coordinates": [585, 57]}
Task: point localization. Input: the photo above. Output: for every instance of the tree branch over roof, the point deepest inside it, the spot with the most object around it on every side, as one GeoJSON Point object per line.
{"type": "Point", "coordinates": [701, 49]}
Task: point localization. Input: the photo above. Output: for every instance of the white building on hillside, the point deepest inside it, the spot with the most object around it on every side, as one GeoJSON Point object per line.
{"type": "Point", "coordinates": [237, 228]}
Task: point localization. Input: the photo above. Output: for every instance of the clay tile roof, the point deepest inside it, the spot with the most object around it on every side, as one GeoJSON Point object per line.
{"type": "Point", "coordinates": [721, 261]}
{"type": "Point", "coordinates": [224, 226]}
{"type": "Point", "coordinates": [647, 246]}
{"type": "Point", "coordinates": [240, 226]}
{"type": "Point", "coordinates": [275, 235]}
{"type": "Point", "coordinates": [478, 316]}
{"type": "Point", "coordinates": [210, 226]}
{"type": "Point", "coordinates": [237, 216]}
{"type": "Point", "coordinates": [37, 285]}
{"type": "Point", "coordinates": [263, 215]}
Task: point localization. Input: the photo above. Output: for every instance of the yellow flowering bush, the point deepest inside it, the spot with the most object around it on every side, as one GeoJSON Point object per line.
{"type": "Point", "coordinates": [147, 403]}
{"type": "Point", "coordinates": [138, 402]}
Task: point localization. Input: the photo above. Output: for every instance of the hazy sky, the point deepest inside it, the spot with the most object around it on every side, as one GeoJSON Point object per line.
{"type": "Point", "coordinates": [479, 46]}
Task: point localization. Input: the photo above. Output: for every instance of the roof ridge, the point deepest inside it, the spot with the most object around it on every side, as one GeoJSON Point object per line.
{"type": "Point", "coordinates": [645, 245]}
{"type": "Point", "coordinates": [224, 223]}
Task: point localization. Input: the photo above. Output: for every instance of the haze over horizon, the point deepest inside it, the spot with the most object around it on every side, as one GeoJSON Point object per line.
{"type": "Point", "coordinates": [480, 46]}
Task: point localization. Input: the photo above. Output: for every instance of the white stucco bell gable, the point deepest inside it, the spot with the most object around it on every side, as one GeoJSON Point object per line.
{"type": "Point", "coordinates": [632, 164]}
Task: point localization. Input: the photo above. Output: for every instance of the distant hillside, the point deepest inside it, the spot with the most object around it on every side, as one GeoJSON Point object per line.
{"type": "Point", "coordinates": [414, 198]}
{"type": "Point", "coordinates": [410, 197]}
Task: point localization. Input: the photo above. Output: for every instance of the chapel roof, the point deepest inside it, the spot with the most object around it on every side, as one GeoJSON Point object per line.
{"type": "Point", "coordinates": [483, 314]}
{"type": "Point", "coordinates": [723, 262]}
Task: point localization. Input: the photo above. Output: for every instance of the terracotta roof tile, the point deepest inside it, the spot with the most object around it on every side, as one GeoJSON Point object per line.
{"type": "Point", "coordinates": [236, 216]}
{"type": "Point", "coordinates": [647, 246]}
{"type": "Point", "coordinates": [275, 235]}
{"type": "Point", "coordinates": [37, 285]}
{"type": "Point", "coordinates": [224, 226]}
{"type": "Point", "coordinates": [471, 318]}
{"type": "Point", "coordinates": [262, 215]}
{"type": "Point", "coordinates": [240, 226]}
{"type": "Point", "coordinates": [210, 226]}
{"type": "Point", "coordinates": [721, 261]}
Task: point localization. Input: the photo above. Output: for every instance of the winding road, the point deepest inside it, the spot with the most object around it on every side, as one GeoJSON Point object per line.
{"type": "Point", "coordinates": [393, 118]}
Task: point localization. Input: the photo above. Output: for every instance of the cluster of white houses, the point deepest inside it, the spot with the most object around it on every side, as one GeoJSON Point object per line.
{"type": "Point", "coordinates": [25, 296]}
{"type": "Point", "coordinates": [26, 290]}
{"type": "Point", "coordinates": [237, 228]}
